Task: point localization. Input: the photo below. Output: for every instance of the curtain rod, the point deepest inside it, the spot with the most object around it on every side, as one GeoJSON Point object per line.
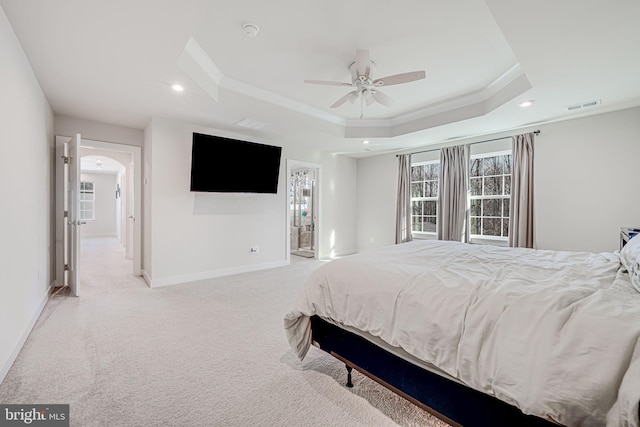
{"type": "Point", "coordinates": [537, 132]}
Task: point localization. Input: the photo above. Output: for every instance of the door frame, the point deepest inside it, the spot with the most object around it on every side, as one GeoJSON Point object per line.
{"type": "Point", "coordinates": [298, 164]}
{"type": "Point", "coordinates": [136, 153]}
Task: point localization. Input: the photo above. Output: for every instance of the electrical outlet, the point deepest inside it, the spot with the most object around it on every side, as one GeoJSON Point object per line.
{"type": "Point", "coordinates": [255, 249]}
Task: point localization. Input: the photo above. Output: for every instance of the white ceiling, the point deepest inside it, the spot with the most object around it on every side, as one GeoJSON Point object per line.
{"type": "Point", "coordinates": [115, 61]}
{"type": "Point", "coordinates": [100, 164]}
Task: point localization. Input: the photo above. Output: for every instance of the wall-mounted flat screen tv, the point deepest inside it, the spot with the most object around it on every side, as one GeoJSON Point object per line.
{"type": "Point", "coordinates": [225, 165]}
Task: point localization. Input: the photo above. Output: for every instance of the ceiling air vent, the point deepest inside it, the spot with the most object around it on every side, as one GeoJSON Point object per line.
{"type": "Point", "coordinates": [584, 105]}
{"type": "Point", "coordinates": [250, 123]}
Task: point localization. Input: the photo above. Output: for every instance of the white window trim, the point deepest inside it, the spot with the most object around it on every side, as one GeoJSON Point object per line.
{"type": "Point", "coordinates": [93, 202]}
{"type": "Point", "coordinates": [428, 235]}
{"type": "Point", "coordinates": [479, 238]}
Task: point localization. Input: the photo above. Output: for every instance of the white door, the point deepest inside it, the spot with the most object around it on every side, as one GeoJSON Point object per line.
{"type": "Point", "coordinates": [74, 222]}
{"type": "Point", "coordinates": [62, 211]}
{"type": "Point", "coordinates": [68, 213]}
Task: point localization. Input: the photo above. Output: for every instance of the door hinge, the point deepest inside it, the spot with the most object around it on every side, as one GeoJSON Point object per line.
{"type": "Point", "coordinates": [66, 214]}
{"type": "Point", "coordinates": [65, 159]}
{"type": "Point", "coordinates": [66, 267]}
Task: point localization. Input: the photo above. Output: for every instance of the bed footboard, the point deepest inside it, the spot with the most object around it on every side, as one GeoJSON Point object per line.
{"type": "Point", "coordinates": [446, 399]}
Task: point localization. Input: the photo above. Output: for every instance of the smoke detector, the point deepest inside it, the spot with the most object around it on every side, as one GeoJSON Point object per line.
{"type": "Point", "coordinates": [251, 30]}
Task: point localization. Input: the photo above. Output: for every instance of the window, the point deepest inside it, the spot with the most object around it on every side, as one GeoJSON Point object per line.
{"type": "Point", "coordinates": [87, 201]}
{"type": "Point", "coordinates": [490, 191]}
{"type": "Point", "coordinates": [424, 196]}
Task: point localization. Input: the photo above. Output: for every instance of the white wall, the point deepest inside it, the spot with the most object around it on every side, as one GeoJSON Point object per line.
{"type": "Point", "coordinates": [26, 179]}
{"type": "Point", "coordinates": [377, 179]}
{"type": "Point", "coordinates": [587, 179]}
{"type": "Point", "coordinates": [585, 184]}
{"type": "Point", "coordinates": [105, 223]}
{"type": "Point", "coordinates": [190, 236]}
{"type": "Point", "coordinates": [89, 129]}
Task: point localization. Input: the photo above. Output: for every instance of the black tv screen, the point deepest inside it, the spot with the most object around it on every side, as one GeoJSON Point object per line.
{"type": "Point", "coordinates": [225, 165]}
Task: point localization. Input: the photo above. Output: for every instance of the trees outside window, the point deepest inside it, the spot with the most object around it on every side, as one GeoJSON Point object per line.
{"type": "Point", "coordinates": [424, 196]}
{"type": "Point", "coordinates": [489, 194]}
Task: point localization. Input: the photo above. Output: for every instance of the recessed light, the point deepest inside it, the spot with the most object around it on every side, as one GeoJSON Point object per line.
{"type": "Point", "coordinates": [526, 103]}
{"type": "Point", "coordinates": [366, 141]}
{"type": "Point", "coordinates": [177, 88]}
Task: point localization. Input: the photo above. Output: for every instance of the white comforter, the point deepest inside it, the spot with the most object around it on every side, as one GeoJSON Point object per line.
{"type": "Point", "coordinates": [556, 334]}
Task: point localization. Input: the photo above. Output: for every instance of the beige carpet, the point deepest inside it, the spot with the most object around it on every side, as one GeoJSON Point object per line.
{"type": "Point", "coordinates": [210, 353]}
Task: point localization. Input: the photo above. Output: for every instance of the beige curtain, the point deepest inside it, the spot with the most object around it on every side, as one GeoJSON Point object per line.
{"type": "Point", "coordinates": [452, 194]}
{"type": "Point", "coordinates": [521, 211]}
{"type": "Point", "coordinates": [403, 208]}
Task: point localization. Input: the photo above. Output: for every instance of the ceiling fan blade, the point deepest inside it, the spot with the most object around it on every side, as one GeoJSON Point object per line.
{"type": "Point", "coordinates": [342, 100]}
{"type": "Point", "coordinates": [397, 79]}
{"type": "Point", "coordinates": [363, 63]}
{"type": "Point", "coordinates": [382, 98]}
{"type": "Point", "coordinates": [327, 83]}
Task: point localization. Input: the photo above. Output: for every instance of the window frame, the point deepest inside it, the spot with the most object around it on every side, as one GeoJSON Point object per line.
{"type": "Point", "coordinates": [92, 202]}
{"type": "Point", "coordinates": [481, 238]}
{"type": "Point", "coordinates": [427, 234]}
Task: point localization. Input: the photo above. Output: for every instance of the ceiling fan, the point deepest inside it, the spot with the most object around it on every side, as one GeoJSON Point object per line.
{"type": "Point", "coordinates": [366, 88]}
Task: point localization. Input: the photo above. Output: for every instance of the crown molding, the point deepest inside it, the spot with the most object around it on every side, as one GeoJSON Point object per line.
{"type": "Point", "coordinates": [513, 82]}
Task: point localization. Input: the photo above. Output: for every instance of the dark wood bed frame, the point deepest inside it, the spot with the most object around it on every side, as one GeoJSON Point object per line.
{"type": "Point", "coordinates": [448, 400]}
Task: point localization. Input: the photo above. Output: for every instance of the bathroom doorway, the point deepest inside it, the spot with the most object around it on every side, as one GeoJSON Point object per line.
{"type": "Point", "coordinates": [303, 211]}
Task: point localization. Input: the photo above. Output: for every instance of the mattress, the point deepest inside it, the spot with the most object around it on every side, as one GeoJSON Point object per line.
{"type": "Point", "coordinates": [555, 334]}
{"type": "Point", "coordinates": [395, 350]}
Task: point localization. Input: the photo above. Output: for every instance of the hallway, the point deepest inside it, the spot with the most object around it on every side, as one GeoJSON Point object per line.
{"type": "Point", "coordinates": [103, 267]}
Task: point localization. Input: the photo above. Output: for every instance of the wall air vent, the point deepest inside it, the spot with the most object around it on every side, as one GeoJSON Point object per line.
{"type": "Point", "coordinates": [584, 105]}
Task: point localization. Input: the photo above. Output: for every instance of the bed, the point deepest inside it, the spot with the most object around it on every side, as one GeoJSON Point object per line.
{"type": "Point", "coordinates": [484, 335]}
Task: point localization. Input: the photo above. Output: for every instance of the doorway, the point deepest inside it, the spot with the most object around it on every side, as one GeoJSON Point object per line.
{"type": "Point", "coordinates": [303, 209]}
{"type": "Point", "coordinates": [118, 167]}
{"type": "Point", "coordinates": [121, 190]}
{"type": "Point", "coordinates": [105, 198]}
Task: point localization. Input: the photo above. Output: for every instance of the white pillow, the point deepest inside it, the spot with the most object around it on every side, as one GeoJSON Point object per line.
{"type": "Point", "coordinates": [630, 259]}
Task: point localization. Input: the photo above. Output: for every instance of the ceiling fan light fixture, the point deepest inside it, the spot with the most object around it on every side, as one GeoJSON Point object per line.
{"type": "Point", "coordinates": [365, 86]}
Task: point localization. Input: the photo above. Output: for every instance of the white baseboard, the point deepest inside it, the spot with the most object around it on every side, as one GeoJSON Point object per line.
{"type": "Point", "coordinates": [146, 277]}
{"type": "Point", "coordinates": [175, 280]}
{"type": "Point", "coordinates": [4, 370]}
